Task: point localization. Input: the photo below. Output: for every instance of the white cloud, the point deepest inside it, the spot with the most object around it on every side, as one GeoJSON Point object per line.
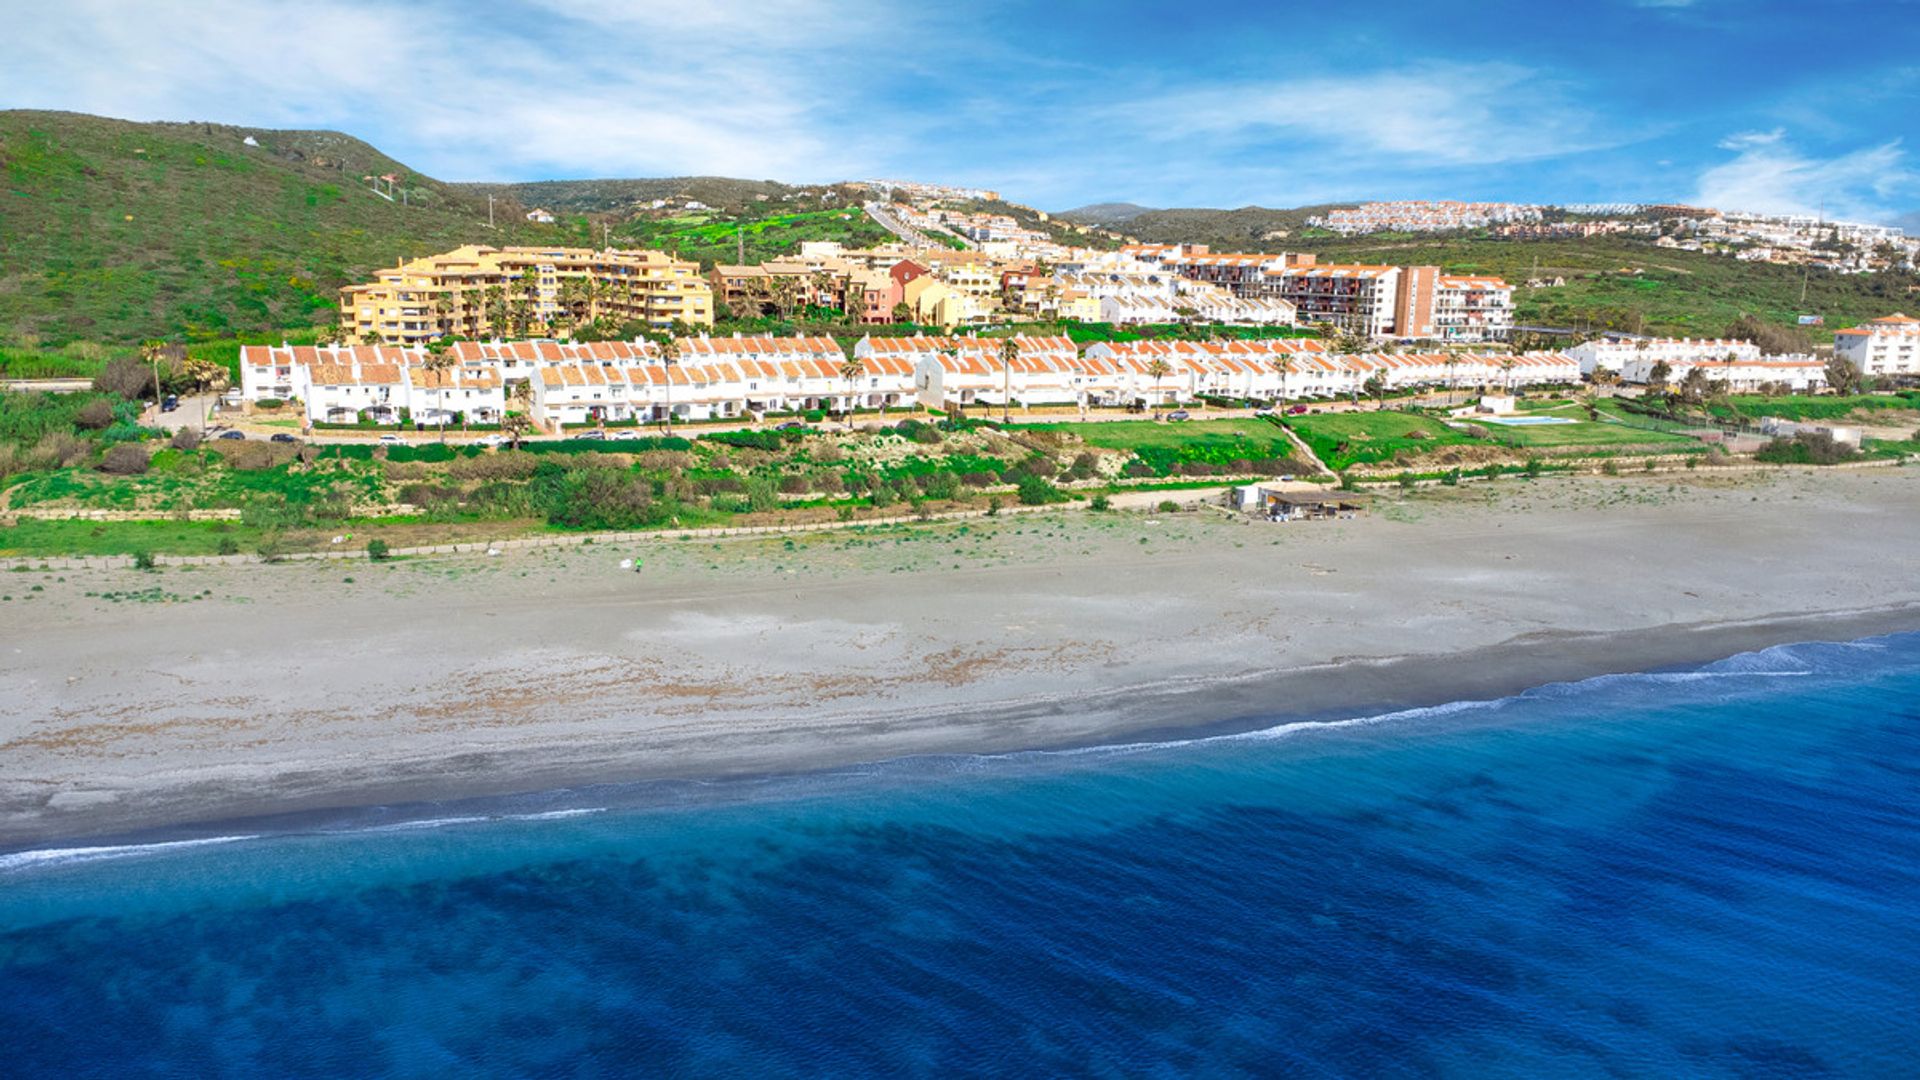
{"type": "Point", "coordinates": [587, 86]}
{"type": "Point", "coordinates": [1768, 175]}
{"type": "Point", "coordinates": [1444, 114]}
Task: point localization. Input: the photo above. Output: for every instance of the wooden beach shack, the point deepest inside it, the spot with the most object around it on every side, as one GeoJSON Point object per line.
{"type": "Point", "coordinates": [1285, 504]}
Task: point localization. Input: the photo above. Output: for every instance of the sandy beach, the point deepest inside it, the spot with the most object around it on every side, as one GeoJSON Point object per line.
{"type": "Point", "coordinates": [133, 701]}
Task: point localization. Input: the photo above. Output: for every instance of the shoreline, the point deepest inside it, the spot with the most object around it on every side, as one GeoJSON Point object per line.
{"type": "Point", "coordinates": [1320, 695]}
{"type": "Point", "coordinates": [132, 703]}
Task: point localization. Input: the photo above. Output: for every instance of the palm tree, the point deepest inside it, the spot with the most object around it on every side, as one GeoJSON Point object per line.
{"type": "Point", "coordinates": [1284, 365]}
{"type": "Point", "coordinates": [437, 365]}
{"type": "Point", "coordinates": [1376, 385]}
{"type": "Point", "coordinates": [496, 309]}
{"type": "Point", "coordinates": [443, 313]}
{"type": "Point", "coordinates": [205, 375]}
{"type": "Point", "coordinates": [1452, 364]}
{"type": "Point", "coordinates": [903, 312]}
{"type": "Point", "coordinates": [669, 357]}
{"type": "Point", "coordinates": [152, 351]}
{"type": "Point", "coordinates": [1009, 352]}
{"type": "Point", "coordinates": [1507, 364]}
{"type": "Point", "coordinates": [786, 289]}
{"type": "Point", "coordinates": [518, 424]}
{"type": "Point", "coordinates": [851, 369]}
{"type": "Point", "coordinates": [1159, 369]}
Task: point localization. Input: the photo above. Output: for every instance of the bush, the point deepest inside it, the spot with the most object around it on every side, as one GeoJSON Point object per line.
{"type": "Point", "coordinates": [793, 484]}
{"type": "Point", "coordinates": [126, 459]}
{"type": "Point", "coordinates": [1168, 506]}
{"type": "Point", "coordinates": [95, 415]}
{"type": "Point", "coordinates": [1100, 503]}
{"type": "Point", "coordinates": [1534, 467]}
{"type": "Point", "coordinates": [940, 485]}
{"type": "Point", "coordinates": [270, 404]}
{"type": "Point", "coordinates": [1451, 478]}
{"type": "Point", "coordinates": [185, 439]}
{"type": "Point", "coordinates": [1808, 448]}
{"type": "Point", "coordinates": [1406, 481]}
{"type": "Point", "coordinates": [594, 498]}
{"type": "Point", "coordinates": [143, 560]}
{"type": "Point", "coordinates": [1035, 491]}
{"type": "Point", "coordinates": [377, 549]}
{"type": "Point", "coordinates": [227, 546]}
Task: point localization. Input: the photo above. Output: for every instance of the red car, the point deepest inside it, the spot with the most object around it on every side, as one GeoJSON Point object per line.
{"type": "Point", "coordinates": [1297, 410]}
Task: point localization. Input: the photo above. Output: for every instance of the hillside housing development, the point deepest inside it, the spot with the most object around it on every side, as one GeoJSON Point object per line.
{"type": "Point", "coordinates": [701, 377]}
{"type": "Point", "coordinates": [477, 291]}
{"type": "Point", "coordinates": [1887, 346]}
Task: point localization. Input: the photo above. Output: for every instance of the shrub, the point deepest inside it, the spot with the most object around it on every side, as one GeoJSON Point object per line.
{"type": "Point", "coordinates": [185, 439]}
{"type": "Point", "coordinates": [1100, 503]}
{"type": "Point", "coordinates": [270, 404]}
{"type": "Point", "coordinates": [793, 484]}
{"type": "Point", "coordinates": [940, 485]}
{"type": "Point", "coordinates": [58, 450]}
{"type": "Point", "coordinates": [1451, 478]}
{"type": "Point", "coordinates": [126, 376]}
{"type": "Point", "coordinates": [227, 546]}
{"type": "Point", "coordinates": [1807, 448]}
{"type": "Point", "coordinates": [1535, 467]}
{"type": "Point", "coordinates": [377, 549]}
{"type": "Point", "coordinates": [761, 494]}
{"type": "Point", "coordinates": [1035, 491]}
{"type": "Point", "coordinates": [126, 459]}
{"type": "Point", "coordinates": [594, 498]}
{"type": "Point", "coordinates": [1168, 506]}
{"type": "Point", "coordinates": [993, 506]}
{"type": "Point", "coordinates": [1406, 481]}
{"type": "Point", "coordinates": [1138, 469]}
{"type": "Point", "coordinates": [95, 415]}
{"type": "Point", "coordinates": [1610, 467]}
{"type": "Point", "coordinates": [143, 560]}
{"type": "Point", "coordinates": [979, 479]}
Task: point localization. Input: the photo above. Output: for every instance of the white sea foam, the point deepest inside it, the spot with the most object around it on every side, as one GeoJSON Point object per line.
{"type": "Point", "coordinates": [556, 815]}
{"type": "Point", "coordinates": [64, 856]}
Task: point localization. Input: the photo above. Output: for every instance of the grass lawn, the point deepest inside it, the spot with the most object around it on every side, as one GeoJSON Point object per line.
{"type": "Point", "coordinates": [1583, 433]}
{"type": "Point", "coordinates": [1256, 436]}
{"type": "Point", "coordinates": [1365, 438]}
{"type": "Point", "coordinates": [1820, 408]}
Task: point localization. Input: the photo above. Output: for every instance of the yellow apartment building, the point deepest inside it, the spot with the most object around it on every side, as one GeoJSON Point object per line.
{"type": "Point", "coordinates": [477, 291]}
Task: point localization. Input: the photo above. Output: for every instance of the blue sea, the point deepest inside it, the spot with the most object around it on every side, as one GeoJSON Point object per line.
{"type": "Point", "coordinates": [1711, 872]}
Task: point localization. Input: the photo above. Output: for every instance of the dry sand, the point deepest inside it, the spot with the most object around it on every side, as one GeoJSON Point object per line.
{"type": "Point", "coordinates": [126, 704]}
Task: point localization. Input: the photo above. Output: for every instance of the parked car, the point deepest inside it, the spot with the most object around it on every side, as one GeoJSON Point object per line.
{"type": "Point", "coordinates": [169, 403]}
{"type": "Point", "coordinates": [1263, 412]}
{"type": "Point", "coordinates": [281, 436]}
{"type": "Point", "coordinates": [491, 440]}
{"type": "Point", "coordinates": [1297, 410]}
{"type": "Point", "coordinates": [790, 425]}
{"type": "Point", "coordinates": [1179, 414]}
{"type": "Point", "coordinates": [231, 435]}
{"type": "Point", "coordinates": [390, 437]}
{"type": "Point", "coordinates": [591, 435]}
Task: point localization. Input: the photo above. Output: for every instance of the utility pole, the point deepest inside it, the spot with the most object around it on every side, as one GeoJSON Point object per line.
{"type": "Point", "coordinates": [740, 245]}
{"type": "Point", "coordinates": [489, 211]}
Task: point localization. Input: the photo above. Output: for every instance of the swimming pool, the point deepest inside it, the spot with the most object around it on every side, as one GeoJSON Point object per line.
{"type": "Point", "coordinates": [1527, 421]}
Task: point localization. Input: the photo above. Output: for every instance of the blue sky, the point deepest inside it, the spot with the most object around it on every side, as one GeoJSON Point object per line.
{"type": "Point", "coordinates": [1742, 104]}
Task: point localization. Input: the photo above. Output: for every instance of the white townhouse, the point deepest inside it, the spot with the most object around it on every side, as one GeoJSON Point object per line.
{"type": "Point", "coordinates": [454, 395]}
{"type": "Point", "coordinates": [1797, 372]}
{"type": "Point", "coordinates": [347, 392]}
{"type": "Point", "coordinates": [1613, 354]}
{"type": "Point", "coordinates": [1884, 347]}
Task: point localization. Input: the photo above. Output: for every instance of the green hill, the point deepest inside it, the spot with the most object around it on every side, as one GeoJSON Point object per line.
{"type": "Point", "coordinates": [115, 231]}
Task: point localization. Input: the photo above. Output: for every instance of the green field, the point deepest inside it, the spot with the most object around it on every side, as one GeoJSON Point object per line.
{"type": "Point", "coordinates": [1137, 434]}
{"type": "Point", "coordinates": [1366, 438]}
{"type": "Point", "coordinates": [718, 237]}
{"type": "Point", "coordinates": [1582, 433]}
{"type": "Point", "coordinates": [1817, 408]}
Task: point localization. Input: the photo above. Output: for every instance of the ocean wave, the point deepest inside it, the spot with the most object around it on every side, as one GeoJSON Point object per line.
{"type": "Point", "coordinates": [44, 857]}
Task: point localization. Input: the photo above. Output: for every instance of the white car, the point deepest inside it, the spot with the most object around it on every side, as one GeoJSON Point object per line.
{"type": "Point", "coordinates": [390, 437]}
{"type": "Point", "coordinates": [491, 440]}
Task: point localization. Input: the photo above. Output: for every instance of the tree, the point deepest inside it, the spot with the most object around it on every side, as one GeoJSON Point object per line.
{"type": "Point", "coordinates": [496, 309]}
{"type": "Point", "coordinates": [205, 375]}
{"type": "Point", "coordinates": [1771, 337]}
{"type": "Point", "coordinates": [1658, 375]}
{"type": "Point", "coordinates": [443, 313]}
{"type": "Point", "coordinates": [1693, 386]}
{"type": "Point", "coordinates": [851, 369]}
{"type": "Point", "coordinates": [902, 312]}
{"type": "Point", "coordinates": [1159, 369]}
{"type": "Point", "coordinates": [518, 424]}
{"type": "Point", "coordinates": [437, 365]}
{"type": "Point", "coordinates": [1507, 364]}
{"type": "Point", "coordinates": [1284, 365]}
{"type": "Point", "coordinates": [1452, 364]}
{"type": "Point", "coordinates": [1009, 352]}
{"type": "Point", "coordinates": [1376, 385]}
{"type": "Point", "coordinates": [669, 358]}
{"type": "Point", "coordinates": [786, 290]}
{"type": "Point", "coordinates": [1843, 376]}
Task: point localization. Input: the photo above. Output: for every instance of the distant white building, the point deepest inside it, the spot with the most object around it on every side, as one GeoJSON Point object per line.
{"type": "Point", "coordinates": [1883, 347]}
{"type": "Point", "coordinates": [1615, 354]}
{"type": "Point", "coordinates": [542, 217]}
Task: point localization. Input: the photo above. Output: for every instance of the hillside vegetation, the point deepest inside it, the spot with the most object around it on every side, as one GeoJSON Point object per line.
{"type": "Point", "coordinates": [114, 231]}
